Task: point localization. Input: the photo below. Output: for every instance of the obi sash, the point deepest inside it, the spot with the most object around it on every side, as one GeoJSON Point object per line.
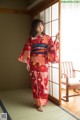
{"type": "Point", "coordinates": [39, 49]}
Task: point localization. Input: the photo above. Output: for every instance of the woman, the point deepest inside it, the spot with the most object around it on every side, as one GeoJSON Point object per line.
{"type": "Point", "coordinates": [38, 51]}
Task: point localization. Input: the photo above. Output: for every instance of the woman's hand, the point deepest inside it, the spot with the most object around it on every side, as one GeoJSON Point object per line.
{"type": "Point", "coordinates": [57, 36]}
{"type": "Point", "coordinates": [28, 67]}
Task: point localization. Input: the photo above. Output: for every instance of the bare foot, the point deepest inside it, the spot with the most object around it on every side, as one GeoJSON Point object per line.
{"type": "Point", "coordinates": [40, 108]}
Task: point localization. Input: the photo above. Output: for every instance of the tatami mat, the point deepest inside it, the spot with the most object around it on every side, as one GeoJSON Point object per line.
{"type": "Point", "coordinates": [1, 111]}
{"type": "Point", "coordinates": [19, 105]}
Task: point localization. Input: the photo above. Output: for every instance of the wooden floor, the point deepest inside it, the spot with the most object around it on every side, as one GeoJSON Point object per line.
{"type": "Point", "coordinates": [73, 106]}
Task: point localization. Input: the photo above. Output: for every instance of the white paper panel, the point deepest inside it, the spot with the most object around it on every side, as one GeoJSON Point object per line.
{"type": "Point", "coordinates": [48, 28]}
{"type": "Point", "coordinates": [55, 13]}
{"type": "Point", "coordinates": [42, 15]}
{"type": "Point", "coordinates": [55, 75]}
{"type": "Point", "coordinates": [56, 91]}
{"type": "Point", "coordinates": [53, 38]}
{"type": "Point", "coordinates": [48, 14]}
{"type": "Point", "coordinates": [50, 88]}
{"type": "Point", "coordinates": [55, 65]}
{"type": "Point", "coordinates": [49, 73]}
{"type": "Point", "coordinates": [54, 27]}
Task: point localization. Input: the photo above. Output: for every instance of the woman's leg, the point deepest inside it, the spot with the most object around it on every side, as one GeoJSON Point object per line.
{"type": "Point", "coordinates": [39, 80]}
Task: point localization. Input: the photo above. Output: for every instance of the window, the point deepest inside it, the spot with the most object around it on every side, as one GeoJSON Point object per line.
{"type": "Point", "coordinates": [50, 16]}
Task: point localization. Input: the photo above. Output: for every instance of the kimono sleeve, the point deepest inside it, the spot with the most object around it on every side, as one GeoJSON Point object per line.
{"type": "Point", "coordinates": [53, 50]}
{"type": "Point", "coordinates": [25, 54]}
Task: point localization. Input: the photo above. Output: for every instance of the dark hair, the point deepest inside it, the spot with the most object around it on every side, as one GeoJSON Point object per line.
{"type": "Point", "coordinates": [34, 25]}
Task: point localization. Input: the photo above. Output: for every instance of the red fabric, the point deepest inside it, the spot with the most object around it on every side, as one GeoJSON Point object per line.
{"type": "Point", "coordinates": [39, 65]}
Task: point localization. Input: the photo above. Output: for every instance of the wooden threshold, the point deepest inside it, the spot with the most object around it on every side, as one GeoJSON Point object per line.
{"type": "Point", "coordinates": [54, 100]}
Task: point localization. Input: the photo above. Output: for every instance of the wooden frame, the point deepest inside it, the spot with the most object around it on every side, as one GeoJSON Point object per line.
{"type": "Point", "coordinates": [14, 11]}
{"type": "Point", "coordinates": [41, 6]}
{"type": "Point", "coordinates": [35, 10]}
{"type": "Point", "coordinates": [68, 73]}
{"type": "Point", "coordinates": [51, 98]}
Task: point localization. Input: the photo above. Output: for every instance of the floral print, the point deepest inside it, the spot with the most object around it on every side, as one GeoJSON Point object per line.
{"type": "Point", "coordinates": [38, 52]}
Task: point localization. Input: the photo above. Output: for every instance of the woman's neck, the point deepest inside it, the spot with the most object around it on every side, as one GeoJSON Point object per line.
{"type": "Point", "coordinates": [39, 34]}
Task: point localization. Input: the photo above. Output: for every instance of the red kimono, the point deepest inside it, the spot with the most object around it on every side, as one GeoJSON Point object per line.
{"type": "Point", "coordinates": [38, 52]}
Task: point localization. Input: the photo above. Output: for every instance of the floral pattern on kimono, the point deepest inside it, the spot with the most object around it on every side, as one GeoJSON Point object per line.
{"type": "Point", "coordinates": [38, 52]}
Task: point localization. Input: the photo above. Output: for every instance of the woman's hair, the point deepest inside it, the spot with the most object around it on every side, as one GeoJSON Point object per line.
{"type": "Point", "coordinates": [34, 25]}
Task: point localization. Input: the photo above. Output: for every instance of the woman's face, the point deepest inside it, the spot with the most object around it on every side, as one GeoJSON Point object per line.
{"type": "Point", "coordinates": [40, 28]}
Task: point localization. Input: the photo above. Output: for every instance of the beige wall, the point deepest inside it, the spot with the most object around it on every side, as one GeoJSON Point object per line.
{"type": "Point", "coordinates": [14, 31]}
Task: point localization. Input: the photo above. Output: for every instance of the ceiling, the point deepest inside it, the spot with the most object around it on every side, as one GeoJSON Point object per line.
{"type": "Point", "coordinates": [19, 4]}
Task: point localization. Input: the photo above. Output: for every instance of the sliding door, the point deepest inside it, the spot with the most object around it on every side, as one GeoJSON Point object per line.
{"type": "Point", "coordinates": [51, 18]}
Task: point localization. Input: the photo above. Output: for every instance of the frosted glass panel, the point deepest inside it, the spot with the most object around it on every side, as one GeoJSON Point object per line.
{"type": "Point", "coordinates": [48, 14]}
{"type": "Point", "coordinates": [54, 27]}
{"type": "Point", "coordinates": [50, 88]}
{"type": "Point", "coordinates": [55, 13]}
{"type": "Point", "coordinates": [48, 28]}
{"type": "Point", "coordinates": [56, 91]}
{"type": "Point", "coordinates": [42, 15]}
